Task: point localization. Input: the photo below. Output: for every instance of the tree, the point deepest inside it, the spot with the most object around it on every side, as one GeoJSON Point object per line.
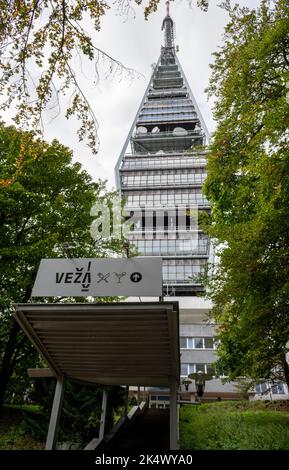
{"type": "Point", "coordinates": [45, 203]}
{"type": "Point", "coordinates": [247, 186]}
{"type": "Point", "coordinates": [41, 41]}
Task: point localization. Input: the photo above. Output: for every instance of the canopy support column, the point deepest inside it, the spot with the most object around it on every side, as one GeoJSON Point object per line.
{"type": "Point", "coordinates": [92, 445]}
{"type": "Point", "coordinates": [174, 445]}
{"type": "Point", "coordinates": [126, 400]}
{"type": "Point", "coordinates": [103, 414]}
{"type": "Point", "coordinates": [51, 440]}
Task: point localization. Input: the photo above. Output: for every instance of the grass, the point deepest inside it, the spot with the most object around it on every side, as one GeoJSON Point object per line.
{"type": "Point", "coordinates": [227, 425]}
{"type": "Point", "coordinates": [235, 426]}
{"type": "Point", "coordinates": [14, 432]}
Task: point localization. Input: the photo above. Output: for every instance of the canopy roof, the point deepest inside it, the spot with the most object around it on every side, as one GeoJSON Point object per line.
{"type": "Point", "coordinates": [106, 343]}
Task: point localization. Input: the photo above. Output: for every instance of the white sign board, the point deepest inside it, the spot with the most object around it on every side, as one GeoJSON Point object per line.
{"type": "Point", "coordinates": [139, 276]}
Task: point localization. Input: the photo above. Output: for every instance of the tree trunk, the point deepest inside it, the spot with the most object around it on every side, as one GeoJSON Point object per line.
{"type": "Point", "coordinates": [286, 371]}
{"type": "Point", "coordinates": [6, 370]}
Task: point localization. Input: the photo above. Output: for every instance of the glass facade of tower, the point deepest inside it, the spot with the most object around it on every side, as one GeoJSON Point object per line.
{"type": "Point", "coordinates": [161, 173]}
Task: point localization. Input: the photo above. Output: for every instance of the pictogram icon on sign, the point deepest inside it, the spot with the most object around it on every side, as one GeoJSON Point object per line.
{"type": "Point", "coordinates": [136, 277]}
{"type": "Point", "coordinates": [103, 277]}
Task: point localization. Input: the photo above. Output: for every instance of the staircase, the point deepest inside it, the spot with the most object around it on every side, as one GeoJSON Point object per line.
{"type": "Point", "coordinates": [147, 432]}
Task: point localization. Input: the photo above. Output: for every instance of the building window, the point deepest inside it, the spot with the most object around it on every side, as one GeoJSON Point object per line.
{"type": "Point", "coordinates": [262, 388]}
{"type": "Point", "coordinates": [209, 343]}
{"type": "Point", "coordinates": [182, 270]}
{"type": "Point", "coordinates": [187, 342]}
{"type": "Point", "coordinates": [183, 342]}
{"type": "Point", "coordinates": [278, 389]}
{"type": "Point", "coordinates": [192, 368]}
{"type": "Point", "coordinates": [210, 369]}
{"type": "Point", "coordinates": [190, 343]}
{"type": "Point", "coordinates": [185, 369]}
{"type": "Point", "coordinates": [199, 343]}
{"type": "Point", "coordinates": [158, 240]}
{"type": "Point", "coordinates": [267, 388]}
{"type": "Point", "coordinates": [165, 177]}
{"type": "Point", "coordinates": [166, 197]}
{"type": "Point", "coordinates": [166, 162]}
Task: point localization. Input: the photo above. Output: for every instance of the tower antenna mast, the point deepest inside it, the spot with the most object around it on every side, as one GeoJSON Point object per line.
{"type": "Point", "coordinates": [168, 27]}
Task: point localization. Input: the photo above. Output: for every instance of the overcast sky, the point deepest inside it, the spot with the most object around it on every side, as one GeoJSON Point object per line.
{"type": "Point", "coordinates": [136, 43]}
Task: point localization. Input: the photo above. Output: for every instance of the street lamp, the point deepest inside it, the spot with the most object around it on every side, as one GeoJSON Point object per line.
{"type": "Point", "coordinates": [200, 381]}
{"type": "Point", "coordinates": [186, 382]}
